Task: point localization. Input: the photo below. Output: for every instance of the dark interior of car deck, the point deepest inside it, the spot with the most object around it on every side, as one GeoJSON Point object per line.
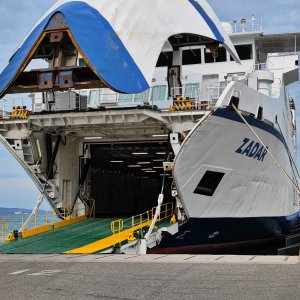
{"type": "Point", "coordinates": [126, 179]}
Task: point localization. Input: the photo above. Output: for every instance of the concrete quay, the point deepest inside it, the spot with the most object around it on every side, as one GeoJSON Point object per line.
{"type": "Point", "coordinates": [149, 277]}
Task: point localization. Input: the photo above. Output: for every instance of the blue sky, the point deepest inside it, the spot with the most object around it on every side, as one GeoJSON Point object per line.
{"type": "Point", "coordinates": [17, 17]}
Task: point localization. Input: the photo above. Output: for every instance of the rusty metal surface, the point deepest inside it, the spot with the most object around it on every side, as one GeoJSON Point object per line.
{"type": "Point", "coordinates": [46, 80]}
{"type": "Point", "coordinates": [65, 79]}
{"type": "Point", "coordinates": [58, 21]}
{"type": "Point", "coordinates": [56, 37]}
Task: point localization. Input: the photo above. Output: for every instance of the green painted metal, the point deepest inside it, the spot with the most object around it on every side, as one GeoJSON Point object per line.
{"type": "Point", "coordinates": [66, 238]}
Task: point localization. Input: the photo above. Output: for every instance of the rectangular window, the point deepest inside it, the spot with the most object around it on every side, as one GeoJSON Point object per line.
{"type": "Point", "coordinates": [81, 62]}
{"type": "Point", "coordinates": [108, 96]}
{"type": "Point", "coordinates": [141, 97]}
{"type": "Point", "coordinates": [165, 59]}
{"type": "Point", "coordinates": [209, 183]}
{"type": "Point", "coordinates": [244, 51]}
{"type": "Point", "coordinates": [191, 57]}
{"type": "Point", "coordinates": [218, 56]}
{"type": "Point", "coordinates": [125, 98]}
{"type": "Point", "coordinates": [94, 98]}
{"type": "Point", "coordinates": [192, 90]}
{"type": "Point", "coordinates": [222, 55]}
{"type": "Point", "coordinates": [158, 93]}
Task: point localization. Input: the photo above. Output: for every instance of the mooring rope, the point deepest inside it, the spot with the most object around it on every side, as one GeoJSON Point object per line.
{"type": "Point", "coordinates": [159, 203]}
{"type": "Point", "coordinates": [289, 153]}
{"type": "Point", "coordinates": [267, 149]}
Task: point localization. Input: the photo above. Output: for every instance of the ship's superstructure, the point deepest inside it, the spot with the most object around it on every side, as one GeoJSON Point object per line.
{"type": "Point", "coordinates": [123, 102]}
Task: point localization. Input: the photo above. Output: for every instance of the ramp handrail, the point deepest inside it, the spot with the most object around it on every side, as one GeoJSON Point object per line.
{"type": "Point", "coordinates": [142, 220]}
{"type": "Point", "coordinates": [68, 211]}
{"type": "Point", "coordinates": [72, 211]}
{"type": "Point", "coordinates": [166, 211]}
{"type": "Point", "coordinates": [64, 212]}
{"type": "Point", "coordinates": [3, 227]}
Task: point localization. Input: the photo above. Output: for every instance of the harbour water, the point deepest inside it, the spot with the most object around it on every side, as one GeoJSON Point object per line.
{"type": "Point", "coordinates": [15, 221]}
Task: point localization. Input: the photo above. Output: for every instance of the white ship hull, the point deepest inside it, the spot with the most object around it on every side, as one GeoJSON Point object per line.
{"type": "Point", "coordinates": [252, 186]}
{"type": "Point", "coordinates": [254, 201]}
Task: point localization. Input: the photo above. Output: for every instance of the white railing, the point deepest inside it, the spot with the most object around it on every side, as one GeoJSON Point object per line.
{"type": "Point", "coordinates": [82, 100]}
{"type": "Point", "coordinates": [212, 92]}
{"type": "Point", "coordinates": [247, 25]}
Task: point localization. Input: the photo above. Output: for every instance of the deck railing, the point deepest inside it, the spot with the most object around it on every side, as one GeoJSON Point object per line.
{"type": "Point", "coordinates": [138, 222]}
{"type": "Point", "coordinates": [64, 212]}
{"type": "Point", "coordinates": [89, 100]}
{"type": "Point", "coordinates": [247, 25]}
{"type": "Point", "coordinates": [3, 228]}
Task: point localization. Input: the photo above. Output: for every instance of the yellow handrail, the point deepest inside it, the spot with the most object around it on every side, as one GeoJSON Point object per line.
{"type": "Point", "coordinates": [72, 211]}
{"type": "Point", "coordinates": [142, 220]}
{"type": "Point", "coordinates": [68, 211]}
{"type": "Point", "coordinates": [3, 227]}
{"type": "Point", "coordinates": [65, 212]}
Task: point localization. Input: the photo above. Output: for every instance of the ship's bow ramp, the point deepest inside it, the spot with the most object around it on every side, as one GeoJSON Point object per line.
{"type": "Point", "coordinates": [117, 43]}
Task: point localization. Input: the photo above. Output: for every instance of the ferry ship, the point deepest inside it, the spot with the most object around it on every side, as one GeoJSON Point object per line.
{"type": "Point", "coordinates": [136, 99]}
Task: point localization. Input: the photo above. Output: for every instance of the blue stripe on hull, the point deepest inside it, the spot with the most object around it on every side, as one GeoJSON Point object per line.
{"type": "Point", "coordinates": [197, 232]}
{"type": "Point", "coordinates": [231, 115]}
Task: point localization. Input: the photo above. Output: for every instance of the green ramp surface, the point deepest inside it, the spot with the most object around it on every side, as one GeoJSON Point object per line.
{"type": "Point", "coordinates": [62, 239]}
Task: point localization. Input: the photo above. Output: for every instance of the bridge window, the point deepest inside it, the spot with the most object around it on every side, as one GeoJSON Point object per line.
{"type": "Point", "coordinates": [222, 54]}
{"type": "Point", "coordinates": [94, 98]}
{"type": "Point", "coordinates": [159, 93]}
{"type": "Point", "coordinates": [192, 90]}
{"type": "Point", "coordinates": [125, 98]}
{"type": "Point", "coordinates": [244, 51]}
{"type": "Point", "coordinates": [165, 59]}
{"type": "Point", "coordinates": [192, 56]}
{"type": "Point", "coordinates": [209, 183]}
{"type": "Point", "coordinates": [218, 56]}
{"type": "Point", "coordinates": [141, 97]}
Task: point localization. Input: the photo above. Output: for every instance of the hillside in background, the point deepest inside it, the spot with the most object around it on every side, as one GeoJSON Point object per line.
{"type": "Point", "coordinates": [13, 210]}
